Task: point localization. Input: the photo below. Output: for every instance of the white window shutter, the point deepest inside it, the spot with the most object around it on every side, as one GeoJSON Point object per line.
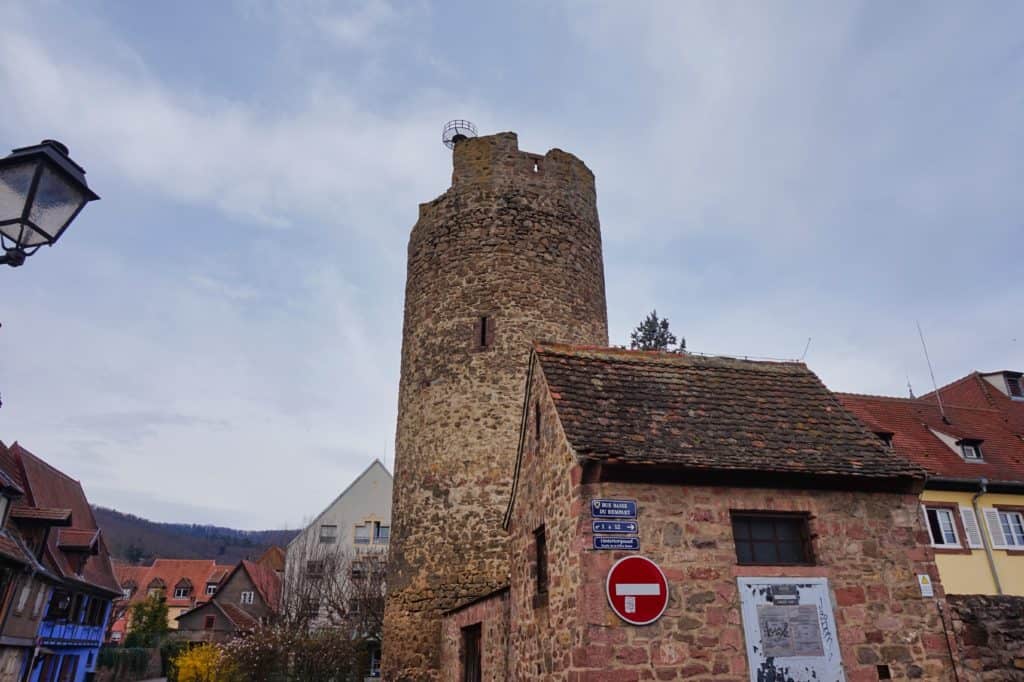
{"type": "Point", "coordinates": [927, 526]}
{"type": "Point", "coordinates": [971, 527]}
{"type": "Point", "coordinates": [995, 529]}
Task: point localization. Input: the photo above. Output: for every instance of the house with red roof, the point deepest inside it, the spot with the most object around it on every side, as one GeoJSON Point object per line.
{"type": "Point", "coordinates": [181, 583]}
{"type": "Point", "coordinates": [65, 584]}
{"type": "Point", "coordinates": [969, 437]}
{"type": "Point", "coordinates": [248, 596]}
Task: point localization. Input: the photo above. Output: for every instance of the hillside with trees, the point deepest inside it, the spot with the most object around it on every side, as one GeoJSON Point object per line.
{"type": "Point", "coordinates": [137, 540]}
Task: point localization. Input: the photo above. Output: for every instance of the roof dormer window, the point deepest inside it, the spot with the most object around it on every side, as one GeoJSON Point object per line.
{"type": "Point", "coordinates": [970, 450]}
{"type": "Point", "coordinates": [1013, 385]}
{"type": "Point", "coordinates": [885, 437]}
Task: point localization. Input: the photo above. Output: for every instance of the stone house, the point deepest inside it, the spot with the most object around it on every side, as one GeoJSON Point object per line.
{"type": "Point", "coordinates": [972, 446]}
{"type": "Point", "coordinates": [789, 537]}
{"type": "Point", "coordinates": [249, 595]}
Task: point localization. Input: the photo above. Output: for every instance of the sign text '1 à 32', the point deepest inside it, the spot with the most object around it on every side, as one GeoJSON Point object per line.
{"type": "Point", "coordinates": [628, 527]}
{"type": "Point", "coordinates": [613, 509]}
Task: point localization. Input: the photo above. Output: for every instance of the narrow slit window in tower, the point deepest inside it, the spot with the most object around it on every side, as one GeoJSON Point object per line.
{"type": "Point", "coordinates": [536, 419]}
{"type": "Point", "coordinates": [484, 332]}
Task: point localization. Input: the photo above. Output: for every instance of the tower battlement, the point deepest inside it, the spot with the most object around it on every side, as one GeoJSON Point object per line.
{"type": "Point", "coordinates": [495, 163]}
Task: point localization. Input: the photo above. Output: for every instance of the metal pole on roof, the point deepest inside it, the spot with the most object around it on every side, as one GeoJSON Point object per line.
{"type": "Point", "coordinates": [931, 372]}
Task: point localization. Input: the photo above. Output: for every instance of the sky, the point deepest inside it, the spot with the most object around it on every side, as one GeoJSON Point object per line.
{"type": "Point", "coordinates": [218, 339]}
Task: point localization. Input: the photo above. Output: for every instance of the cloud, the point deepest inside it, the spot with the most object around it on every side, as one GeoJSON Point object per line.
{"type": "Point", "coordinates": [224, 327]}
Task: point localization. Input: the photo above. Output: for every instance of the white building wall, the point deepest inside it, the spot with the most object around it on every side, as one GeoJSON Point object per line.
{"type": "Point", "coordinates": [366, 501]}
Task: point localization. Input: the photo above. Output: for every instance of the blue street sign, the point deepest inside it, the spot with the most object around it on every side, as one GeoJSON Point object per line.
{"type": "Point", "coordinates": [632, 544]}
{"type": "Point", "coordinates": [630, 527]}
{"type": "Point", "coordinates": [613, 509]}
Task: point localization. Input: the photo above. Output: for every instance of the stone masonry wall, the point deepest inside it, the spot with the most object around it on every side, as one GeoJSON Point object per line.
{"type": "Point", "coordinates": [492, 615]}
{"type": "Point", "coordinates": [515, 239]}
{"type": "Point", "coordinates": [990, 636]}
{"type": "Point", "coordinates": [544, 630]}
{"type": "Point", "coordinates": [870, 547]}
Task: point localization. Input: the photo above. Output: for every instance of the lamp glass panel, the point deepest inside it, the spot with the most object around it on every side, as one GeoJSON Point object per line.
{"type": "Point", "coordinates": [14, 183]}
{"type": "Point", "coordinates": [56, 200]}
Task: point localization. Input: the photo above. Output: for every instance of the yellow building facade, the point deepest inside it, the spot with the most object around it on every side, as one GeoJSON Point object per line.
{"type": "Point", "coordinates": [973, 568]}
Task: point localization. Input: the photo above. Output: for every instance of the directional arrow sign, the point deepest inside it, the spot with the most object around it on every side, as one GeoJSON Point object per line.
{"type": "Point", "coordinates": [629, 527]}
{"type": "Point", "coordinates": [637, 590]}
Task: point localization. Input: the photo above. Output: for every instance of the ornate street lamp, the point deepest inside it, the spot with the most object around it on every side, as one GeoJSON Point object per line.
{"type": "Point", "coordinates": [41, 192]}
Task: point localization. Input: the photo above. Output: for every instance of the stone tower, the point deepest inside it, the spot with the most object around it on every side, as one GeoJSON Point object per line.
{"type": "Point", "coordinates": [511, 253]}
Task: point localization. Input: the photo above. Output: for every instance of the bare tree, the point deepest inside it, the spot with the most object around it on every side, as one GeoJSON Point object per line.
{"type": "Point", "coordinates": [327, 585]}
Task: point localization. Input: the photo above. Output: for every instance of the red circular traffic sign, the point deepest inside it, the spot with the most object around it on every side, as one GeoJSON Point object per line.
{"type": "Point", "coordinates": [637, 590]}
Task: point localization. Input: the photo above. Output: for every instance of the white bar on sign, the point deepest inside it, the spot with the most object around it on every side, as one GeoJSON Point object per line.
{"type": "Point", "coordinates": [638, 589]}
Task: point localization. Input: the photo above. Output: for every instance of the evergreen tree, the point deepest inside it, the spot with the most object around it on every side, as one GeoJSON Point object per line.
{"type": "Point", "coordinates": [653, 334]}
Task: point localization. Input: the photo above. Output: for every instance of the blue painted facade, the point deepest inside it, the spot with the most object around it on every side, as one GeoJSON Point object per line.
{"type": "Point", "coordinates": [72, 647]}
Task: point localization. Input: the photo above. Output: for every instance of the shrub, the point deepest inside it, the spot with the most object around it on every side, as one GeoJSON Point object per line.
{"type": "Point", "coordinates": [204, 663]}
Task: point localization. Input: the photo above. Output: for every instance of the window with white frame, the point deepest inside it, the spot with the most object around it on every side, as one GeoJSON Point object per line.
{"type": "Point", "coordinates": [381, 533]}
{"type": "Point", "coordinates": [942, 527]}
{"type": "Point", "coordinates": [248, 596]}
{"type": "Point", "coordinates": [211, 588]}
{"type": "Point", "coordinates": [971, 449]}
{"type": "Point", "coordinates": [182, 592]}
{"type": "Point", "coordinates": [1013, 385]}
{"type": "Point", "coordinates": [328, 534]}
{"type": "Point", "coordinates": [1012, 523]}
{"type": "Point", "coordinates": [126, 593]}
{"type": "Point", "coordinates": [363, 534]}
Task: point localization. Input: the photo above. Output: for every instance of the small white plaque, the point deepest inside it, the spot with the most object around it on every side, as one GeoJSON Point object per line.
{"type": "Point", "coordinates": [927, 590]}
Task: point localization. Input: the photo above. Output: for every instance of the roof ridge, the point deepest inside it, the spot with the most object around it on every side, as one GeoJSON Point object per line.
{"type": "Point", "coordinates": [876, 396]}
{"type": "Point", "coordinates": [670, 357]}
{"type": "Point", "coordinates": [920, 401]}
{"type": "Point", "coordinates": [973, 374]}
{"type": "Point", "coordinates": [42, 461]}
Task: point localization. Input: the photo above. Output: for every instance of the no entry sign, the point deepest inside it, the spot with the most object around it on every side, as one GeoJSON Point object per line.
{"type": "Point", "coordinates": [637, 590]}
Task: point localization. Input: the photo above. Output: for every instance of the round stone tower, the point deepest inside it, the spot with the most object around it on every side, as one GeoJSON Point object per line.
{"type": "Point", "coordinates": [511, 253]}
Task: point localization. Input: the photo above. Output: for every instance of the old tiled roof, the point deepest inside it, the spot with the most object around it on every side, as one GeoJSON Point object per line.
{"type": "Point", "coordinates": [267, 582]}
{"type": "Point", "coordinates": [47, 487]}
{"type": "Point", "coordinates": [973, 391]}
{"type": "Point", "coordinates": [712, 414]}
{"type": "Point", "coordinates": [914, 421]}
{"type": "Point", "coordinates": [14, 548]}
{"type": "Point", "coordinates": [11, 470]}
{"type": "Point", "coordinates": [76, 540]}
{"type": "Point", "coordinates": [8, 484]}
{"type": "Point", "coordinates": [171, 573]}
{"type": "Point", "coordinates": [54, 515]}
{"type": "Point", "coordinates": [273, 559]}
{"type": "Point", "coordinates": [130, 574]}
{"type": "Point", "coordinates": [238, 617]}
{"type": "Point", "coordinates": [219, 573]}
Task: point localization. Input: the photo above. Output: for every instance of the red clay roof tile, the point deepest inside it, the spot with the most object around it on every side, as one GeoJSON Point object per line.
{"type": "Point", "coordinates": [914, 421]}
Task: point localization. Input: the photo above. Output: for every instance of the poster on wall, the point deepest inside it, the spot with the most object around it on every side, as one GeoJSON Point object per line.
{"type": "Point", "coordinates": [790, 630]}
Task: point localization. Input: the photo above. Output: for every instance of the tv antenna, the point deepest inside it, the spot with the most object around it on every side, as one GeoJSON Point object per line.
{"type": "Point", "coordinates": [931, 372]}
{"type": "Point", "coordinates": [456, 131]}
